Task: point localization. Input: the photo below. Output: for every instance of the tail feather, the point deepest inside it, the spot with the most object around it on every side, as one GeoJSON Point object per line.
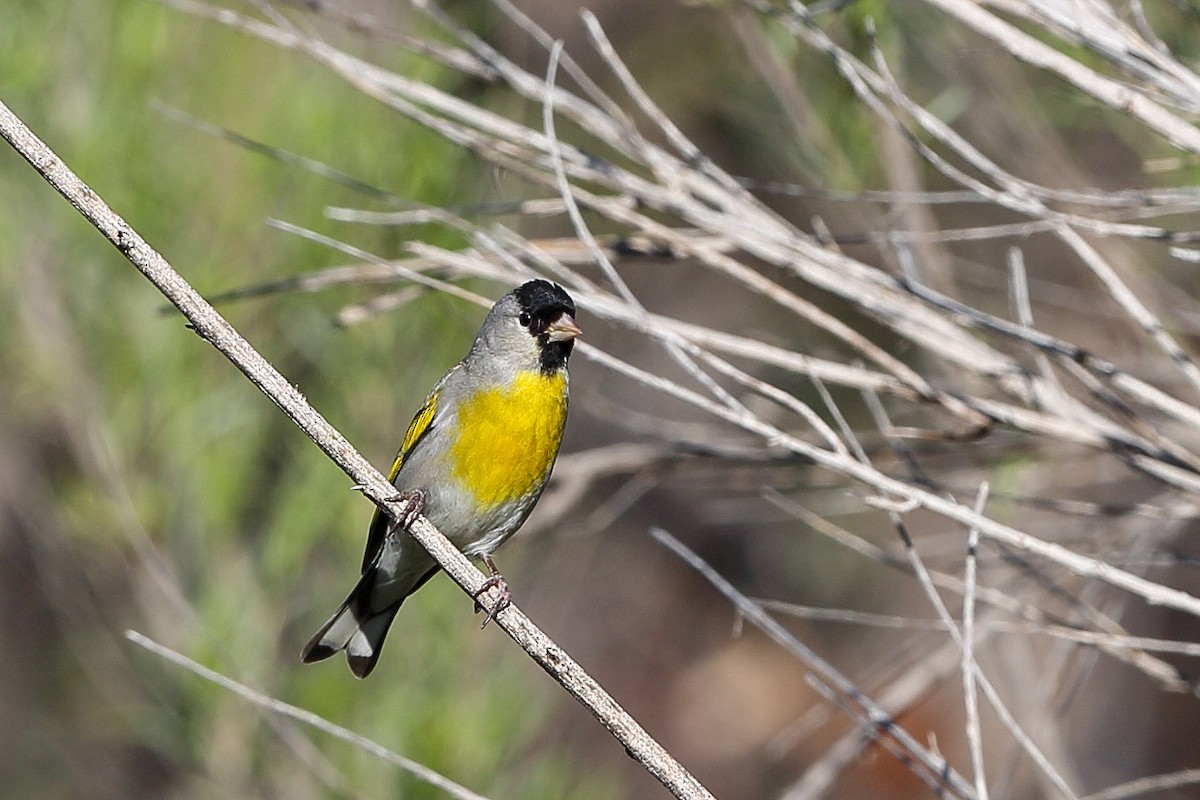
{"type": "Point", "coordinates": [361, 639]}
{"type": "Point", "coordinates": [355, 628]}
{"type": "Point", "coordinates": [364, 647]}
{"type": "Point", "coordinates": [358, 628]}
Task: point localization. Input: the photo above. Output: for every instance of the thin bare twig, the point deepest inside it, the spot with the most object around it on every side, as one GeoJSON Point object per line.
{"type": "Point", "coordinates": [880, 720]}
{"type": "Point", "coordinates": [273, 706]}
{"type": "Point", "coordinates": [969, 664]}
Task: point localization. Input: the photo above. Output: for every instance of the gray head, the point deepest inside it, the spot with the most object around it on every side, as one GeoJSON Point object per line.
{"type": "Point", "coordinates": [530, 328]}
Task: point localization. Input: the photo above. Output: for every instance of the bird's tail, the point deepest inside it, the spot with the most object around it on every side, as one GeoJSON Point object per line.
{"type": "Point", "coordinates": [354, 628]}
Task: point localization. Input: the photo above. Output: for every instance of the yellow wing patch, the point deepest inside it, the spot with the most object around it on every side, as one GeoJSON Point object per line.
{"type": "Point", "coordinates": [508, 438]}
{"type": "Point", "coordinates": [416, 429]}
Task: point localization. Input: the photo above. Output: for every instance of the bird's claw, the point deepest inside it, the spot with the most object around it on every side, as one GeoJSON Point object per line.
{"type": "Point", "coordinates": [493, 581]}
{"type": "Point", "coordinates": [415, 498]}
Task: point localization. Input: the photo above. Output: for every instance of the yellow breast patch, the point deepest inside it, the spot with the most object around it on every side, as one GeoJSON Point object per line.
{"type": "Point", "coordinates": [508, 438]}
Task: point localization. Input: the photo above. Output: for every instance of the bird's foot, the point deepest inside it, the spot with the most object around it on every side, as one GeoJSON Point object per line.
{"type": "Point", "coordinates": [415, 500]}
{"type": "Point", "coordinates": [493, 581]}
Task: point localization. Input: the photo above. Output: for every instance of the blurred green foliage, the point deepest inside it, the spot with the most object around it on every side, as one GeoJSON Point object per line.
{"type": "Point", "coordinates": [183, 503]}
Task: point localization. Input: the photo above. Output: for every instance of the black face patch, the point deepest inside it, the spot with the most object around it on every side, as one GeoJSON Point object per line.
{"type": "Point", "coordinates": [554, 355]}
{"type": "Point", "coordinates": [540, 300]}
{"type": "Point", "coordinates": [541, 303]}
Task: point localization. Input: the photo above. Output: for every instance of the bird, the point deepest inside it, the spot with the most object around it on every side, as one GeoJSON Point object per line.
{"type": "Point", "coordinates": [475, 460]}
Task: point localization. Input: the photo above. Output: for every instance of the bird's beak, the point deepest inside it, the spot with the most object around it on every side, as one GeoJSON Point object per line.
{"type": "Point", "coordinates": [563, 328]}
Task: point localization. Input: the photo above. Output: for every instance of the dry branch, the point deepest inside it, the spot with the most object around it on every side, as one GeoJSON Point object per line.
{"type": "Point", "coordinates": [215, 330]}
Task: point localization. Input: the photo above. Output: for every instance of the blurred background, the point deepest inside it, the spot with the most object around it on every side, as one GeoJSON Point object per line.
{"type": "Point", "coordinates": [146, 485]}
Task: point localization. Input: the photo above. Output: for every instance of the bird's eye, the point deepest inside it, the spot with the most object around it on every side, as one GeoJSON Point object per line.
{"type": "Point", "coordinates": [524, 319]}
